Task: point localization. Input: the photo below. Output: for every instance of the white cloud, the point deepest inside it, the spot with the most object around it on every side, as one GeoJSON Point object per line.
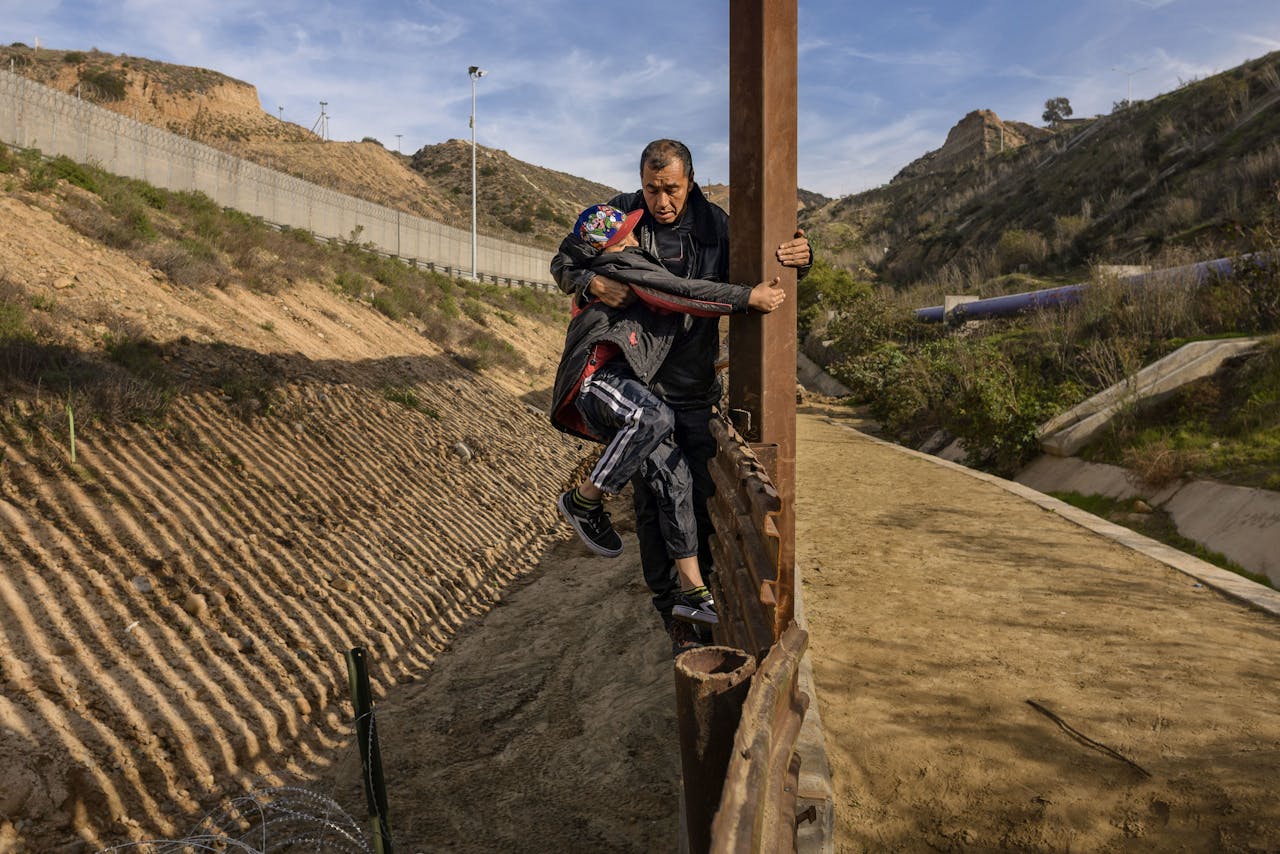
{"type": "Point", "coordinates": [836, 163]}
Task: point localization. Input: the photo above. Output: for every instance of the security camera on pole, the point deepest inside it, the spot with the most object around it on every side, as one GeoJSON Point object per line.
{"type": "Point", "coordinates": [476, 73]}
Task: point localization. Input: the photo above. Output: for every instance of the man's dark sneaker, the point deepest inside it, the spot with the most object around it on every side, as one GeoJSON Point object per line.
{"type": "Point", "coordinates": [705, 633]}
{"type": "Point", "coordinates": [684, 637]}
{"type": "Point", "coordinates": [695, 606]}
{"type": "Point", "coordinates": [592, 525]}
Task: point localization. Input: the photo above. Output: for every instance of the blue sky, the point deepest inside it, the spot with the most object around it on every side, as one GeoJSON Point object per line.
{"type": "Point", "coordinates": [581, 86]}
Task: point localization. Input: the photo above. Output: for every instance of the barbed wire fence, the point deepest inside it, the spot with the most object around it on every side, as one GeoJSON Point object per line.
{"type": "Point", "coordinates": [36, 116]}
{"type": "Point", "coordinates": [293, 819]}
{"type": "Point", "coordinates": [265, 821]}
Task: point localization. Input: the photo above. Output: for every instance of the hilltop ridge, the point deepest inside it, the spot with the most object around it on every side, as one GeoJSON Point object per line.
{"type": "Point", "coordinates": [1171, 179]}
{"type": "Point", "coordinates": [977, 136]}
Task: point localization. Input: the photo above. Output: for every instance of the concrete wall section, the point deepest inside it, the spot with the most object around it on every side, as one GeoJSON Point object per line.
{"type": "Point", "coordinates": [1071, 474]}
{"type": "Point", "coordinates": [35, 116]}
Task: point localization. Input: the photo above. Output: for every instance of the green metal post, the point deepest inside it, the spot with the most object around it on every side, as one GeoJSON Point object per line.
{"type": "Point", "coordinates": [375, 788]}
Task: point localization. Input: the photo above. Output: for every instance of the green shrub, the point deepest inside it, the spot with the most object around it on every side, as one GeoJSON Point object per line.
{"type": "Point", "coordinates": [826, 288]}
{"type": "Point", "coordinates": [110, 85]}
{"type": "Point", "coordinates": [135, 353]}
{"type": "Point", "coordinates": [350, 283]}
{"type": "Point", "coordinates": [389, 303]}
{"type": "Point", "coordinates": [40, 177]}
{"type": "Point", "coordinates": [472, 308]}
{"type": "Point", "coordinates": [408, 398]}
{"type": "Point", "coordinates": [870, 373]}
{"type": "Point", "coordinates": [13, 323]}
{"type": "Point", "coordinates": [250, 388]}
{"type": "Point", "coordinates": [487, 351]}
{"type": "Point", "coordinates": [131, 225]}
{"type": "Point", "coordinates": [73, 57]}
{"type": "Point", "coordinates": [1017, 247]}
{"type": "Point", "coordinates": [73, 173]}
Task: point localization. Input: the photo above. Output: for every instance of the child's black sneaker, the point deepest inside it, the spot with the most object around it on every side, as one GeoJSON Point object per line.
{"type": "Point", "coordinates": [695, 606]}
{"type": "Point", "coordinates": [592, 525]}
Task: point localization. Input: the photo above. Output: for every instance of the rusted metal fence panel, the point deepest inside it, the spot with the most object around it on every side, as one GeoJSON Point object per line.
{"type": "Point", "coordinates": [758, 801]}
{"type": "Point", "coordinates": [745, 546]}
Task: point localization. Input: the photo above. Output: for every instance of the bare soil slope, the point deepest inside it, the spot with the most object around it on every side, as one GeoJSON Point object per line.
{"type": "Point", "coordinates": [174, 606]}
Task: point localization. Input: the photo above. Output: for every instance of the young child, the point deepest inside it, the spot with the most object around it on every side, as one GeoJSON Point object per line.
{"type": "Point", "coordinates": [601, 390]}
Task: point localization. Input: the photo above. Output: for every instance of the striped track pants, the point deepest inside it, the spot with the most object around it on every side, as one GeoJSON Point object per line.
{"type": "Point", "coordinates": [638, 427]}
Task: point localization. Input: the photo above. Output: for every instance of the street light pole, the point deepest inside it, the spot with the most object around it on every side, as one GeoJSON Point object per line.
{"type": "Point", "coordinates": [476, 73]}
{"type": "Point", "coordinates": [1128, 95]}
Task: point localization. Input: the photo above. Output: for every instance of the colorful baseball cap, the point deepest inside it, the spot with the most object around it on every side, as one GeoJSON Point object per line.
{"type": "Point", "coordinates": [603, 226]}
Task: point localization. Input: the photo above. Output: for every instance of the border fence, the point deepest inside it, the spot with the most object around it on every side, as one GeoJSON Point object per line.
{"type": "Point", "coordinates": [741, 705]}
{"type": "Point", "coordinates": [36, 116]}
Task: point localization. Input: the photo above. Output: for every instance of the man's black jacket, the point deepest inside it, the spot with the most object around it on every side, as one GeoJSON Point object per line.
{"type": "Point", "coordinates": [644, 332]}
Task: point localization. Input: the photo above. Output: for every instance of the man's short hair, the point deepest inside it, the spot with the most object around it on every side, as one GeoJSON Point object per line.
{"type": "Point", "coordinates": [659, 154]}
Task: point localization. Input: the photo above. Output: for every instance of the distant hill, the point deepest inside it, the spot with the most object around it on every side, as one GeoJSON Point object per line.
{"type": "Point", "coordinates": [513, 198]}
{"type": "Point", "coordinates": [976, 137]}
{"type": "Point", "coordinates": [806, 199]}
{"type": "Point", "coordinates": [1180, 175]}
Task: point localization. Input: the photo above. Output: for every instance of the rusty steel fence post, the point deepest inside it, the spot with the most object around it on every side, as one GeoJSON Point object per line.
{"type": "Point", "coordinates": [711, 685]}
{"type": "Point", "coordinates": [762, 215]}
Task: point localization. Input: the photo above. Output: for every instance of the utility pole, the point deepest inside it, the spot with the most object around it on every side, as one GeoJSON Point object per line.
{"type": "Point", "coordinates": [398, 142]}
{"type": "Point", "coordinates": [476, 72]}
{"type": "Point", "coordinates": [322, 123]}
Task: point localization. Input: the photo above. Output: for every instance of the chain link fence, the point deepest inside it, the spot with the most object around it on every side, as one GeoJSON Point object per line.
{"type": "Point", "coordinates": [35, 116]}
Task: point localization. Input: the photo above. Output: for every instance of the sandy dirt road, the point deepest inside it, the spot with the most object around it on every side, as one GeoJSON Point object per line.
{"type": "Point", "coordinates": [939, 605]}
{"type": "Point", "coordinates": [549, 724]}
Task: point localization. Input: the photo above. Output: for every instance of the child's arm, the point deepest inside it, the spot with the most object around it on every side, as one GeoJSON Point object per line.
{"type": "Point", "coordinates": [571, 269]}
{"type": "Point", "coordinates": [701, 297]}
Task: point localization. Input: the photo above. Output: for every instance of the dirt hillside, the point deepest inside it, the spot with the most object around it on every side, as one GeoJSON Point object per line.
{"type": "Point", "coordinates": [175, 604]}
{"type": "Point", "coordinates": [974, 138]}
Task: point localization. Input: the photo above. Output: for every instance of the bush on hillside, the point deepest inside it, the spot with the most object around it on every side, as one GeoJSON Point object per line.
{"type": "Point", "coordinates": [1017, 248]}
{"type": "Point", "coordinates": [825, 289]}
{"type": "Point", "coordinates": [109, 85]}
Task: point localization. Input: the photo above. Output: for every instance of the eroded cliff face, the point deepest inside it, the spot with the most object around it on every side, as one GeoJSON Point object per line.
{"type": "Point", "coordinates": [977, 136]}
{"type": "Point", "coordinates": [193, 102]}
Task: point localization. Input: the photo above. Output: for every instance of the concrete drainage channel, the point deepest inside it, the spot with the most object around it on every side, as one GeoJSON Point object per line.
{"type": "Point", "coordinates": [1228, 583]}
{"type": "Point", "coordinates": [1238, 522]}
